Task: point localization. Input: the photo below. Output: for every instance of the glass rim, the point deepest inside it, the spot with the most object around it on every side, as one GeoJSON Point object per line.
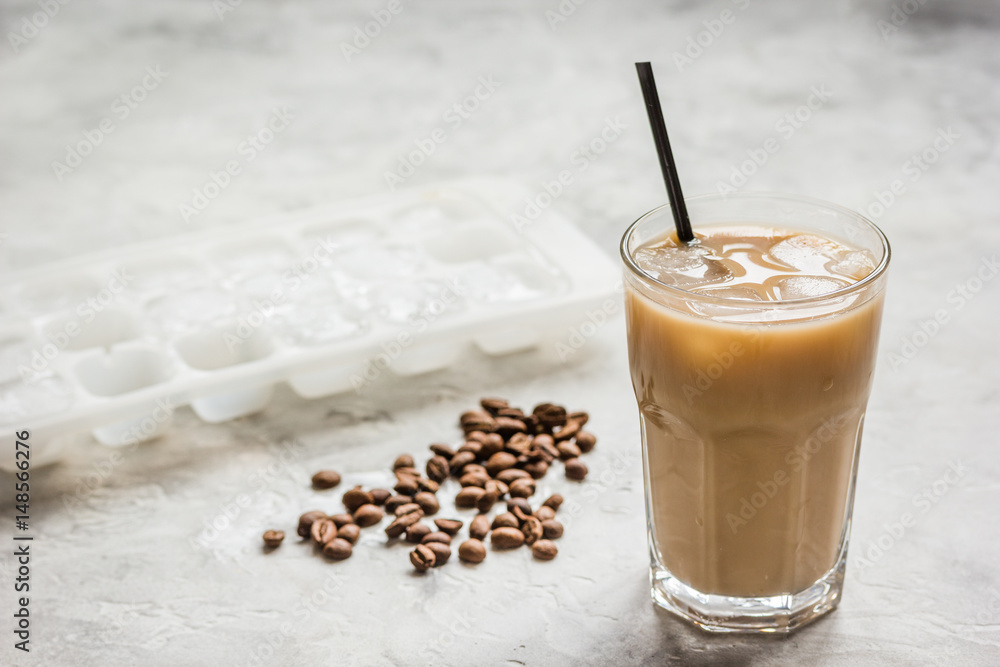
{"type": "Point", "coordinates": [876, 273]}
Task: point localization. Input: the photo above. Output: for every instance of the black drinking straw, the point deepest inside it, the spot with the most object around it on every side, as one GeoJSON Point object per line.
{"type": "Point", "coordinates": [667, 166]}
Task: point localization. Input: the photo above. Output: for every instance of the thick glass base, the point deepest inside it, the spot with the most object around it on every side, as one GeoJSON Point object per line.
{"type": "Point", "coordinates": [777, 614]}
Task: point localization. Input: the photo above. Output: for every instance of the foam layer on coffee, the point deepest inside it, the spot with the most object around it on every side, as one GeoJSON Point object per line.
{"type": "Point", "coordinates": [754, 263]}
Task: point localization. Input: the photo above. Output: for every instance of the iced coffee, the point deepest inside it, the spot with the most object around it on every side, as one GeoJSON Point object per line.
{"type": "Point", "coordinates": [752, 352]}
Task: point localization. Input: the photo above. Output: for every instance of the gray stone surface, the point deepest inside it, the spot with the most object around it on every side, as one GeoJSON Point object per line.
{"type": "Point", "coordinates": [124, 571]}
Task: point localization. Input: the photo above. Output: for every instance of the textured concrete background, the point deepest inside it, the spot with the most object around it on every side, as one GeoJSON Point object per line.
{"type": "Point", "coordinates": [124, 571]}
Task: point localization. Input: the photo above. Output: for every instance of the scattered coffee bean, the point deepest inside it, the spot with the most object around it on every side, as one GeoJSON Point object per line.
{"type": "Point", "coordinates": [422, 558]}
{"type": "Point", "coordinates": [544, 550]}
{"type": "Point", "coordinates": [516, 413]}
{"type": "Point", "coordinates": [350, 532]}
{"type": "Point", "coordinates": [450, 526]}
{"type": "Point", "coordinates": [406, 485]}
{"type": "Point", "coordinates": [579, 417]}
{"type": "Point", "coordinates": [537, 469]}
{"type": "Point", "coordinates": [306, 521]}
{"type": "Point", "coordinates": [474, 479]}
{"type": "Point", "coordinates": [417, 532]}
{"type": "Point", "coordinates": [506, 538]}
{"type": "Point", "coordinates": [355, 498]}
{"type": "Point", "coordinates": [428, 502]}
{"type": "Point", "coordinates": [397, 501]}
{"type": "Point", "coordinates": [342, 519]}
{"type": "Point", "coordinates": [504, 520]}
{"type": "Point", "coordinates": [406, 509]}
{"type": "Point", "coordinates": [401, 523]}
{"type": "Point", "coordinates": [585, 440]}
{"type": "Point", "coordinates": [428, 485]}
{"type": "Point", "coordinates": [554, 501]}
{"type": "Point", "coordinates": [566, 432]}
{"type": "Point", "coordinates": [408, 471]}
{"type": "Point", "coordinates": [550, 415]}
{"type": "Point", "coordinates": [518, 444]}
{"type": "Point", "coordinates": [543, 439]}
{"type": "Point", "coordinates": [326, 479]}
{"type": "Point", "coordinates": [544, 513]}
{"type": "Point", "coordinates": [508, 426]}
{"type": "Point", "coordinates": [441, 449]}
{"type": "Point", "coordinates": [522, 488]}
{"type": "Point", "coordinates": [367, 515]}
{"type": "Point", "coordinates": [403, 461]}
{"type": "Point", "coordinates": [437, 468]}
{"type": "Point", "coordinates": [519, 507]}
{"type": "Point", "coordinates": [474, 469]}
{"type": "Point", "coordinates": [500, 462]}
{"type": "Point", "coordinates": [492, 444]}
{"type": "Point", "coordinates": [442, 552]}
{"type": "Point", "coordinates": [459, 461]}
{"type": "Point", "coordinates": [469, 496]}
{"type": "Point", "coordinates": [338, 549]}
{"type": "Point", "coordinates": [510, 474]}
{"type": "Point", "coordinates": [472, 447]}
{"type": "Point", "coordinates": [273, 538]}
{"type": "Point", "coordinates": [532, 530]}
{"type": "Point", "coordinates": [493, 405]}
{"type": "Point", "coordinates": [552, 529]}
{"type": "Point", "coordinates": [436, 536]}
{"type": "Point", "coordinates": [576, 469]}
{"type": "Point", "coordinates": [379, 496]}
{"type": "Point", "coordinates": [322, 531]}
{"type": "Point", "coordinates": [472, 551]}
{"type": "Point", "coordinates": [487, 501]}
{"type": "Point", "coordinates": [568, 450]}
{"type": "Point", "coordinates": [480, 527]}
{"type": "Point", "coordinates": [477, 420]}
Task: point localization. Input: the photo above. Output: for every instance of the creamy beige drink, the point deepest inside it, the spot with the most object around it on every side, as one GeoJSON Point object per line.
{"type": "Point", "coordinates": [751, 429]}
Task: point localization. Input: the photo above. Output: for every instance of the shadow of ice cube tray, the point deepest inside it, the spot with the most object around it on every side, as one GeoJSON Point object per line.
{"type": "Point", "coordinates": [322, 299]}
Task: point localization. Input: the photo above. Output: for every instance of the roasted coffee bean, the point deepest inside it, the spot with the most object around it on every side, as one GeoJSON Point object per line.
{"type": "Point", "coordinates": [476, 436]}
{"type": "Point", "coordinates": [442, 552]}
{"type": "Point", "coordinates": [408, 471]}
{"type": "Point", "coordinates": [273, 538]}
{"type": "Point", "coordinates": [350, 532]}
{"type": "Point", "coordinates": [459, 461]}
{"type": "Point", "coordinates": [492, 405]}
{"type": "Point", "coordinates": [326, 479]}
{"type": "Point", "coordinates": [450, 526]}
{"type": "Point", "coordinates": [505, 520]}
{"type": "Point", "coordinates": [306, 521]}
{"type": "Point", "coordinates": [518, 444]}
{"type": "Point", "coordinates": [401, 523]}
{"type": "Point", "coordinates": [472, 447]}
{"type": "Point", "coordinates": [477, 420]}
{"type": "Point", "coordinates": [491, 445]}
{"type": "Point", "coordinates": [407, 508]}
{"type": "Point", "coordinates": [436, 536]}
{"type": "Point", "coordinates": [422, 558]}
{"type": "Point", "coordinates": [548, 451]}
{"type": "Point", "coordinates": [338, 549]}
{"type": "Point", "coordinates": [342, 519]}
{"type": "Point", "coordinates": [580, 418]}
{"type": "Point", "coordinates": [322, 531]}
{"type": "Point", "coordinates": [379, 496]}
{"type": "Point", "coordinates": [428, 502]}
{"type": "Point", "coordinates": [428, 484]}
{"type": "Point", "coordinates": [500, 462]}
{"type": "Point", "coordinates": [469, 496]}
{"type": "Point", "coordinates": [508, 426]}
{"type": "Point", "coordinates": [437, 468]}
{"type": "Point", "coordinates": [514, 413]}
{"type": "Point", "coordinates": [403, 461]}
{"type": "Point", "coordinates": [532, 530]}
{"type": "Point", "coordinates": [510, 474]}
{"type": "Point", "coordinates": [549, 415]}
{"type": "Point", "coordinates": [395, 502]}
{"type": "Point", "coordinates": [474, 479]}
{"type": "Point", "coordinates": [543, 439]}
{"type": "Point", "coordinates": [585, 440]}
{"type": "Point", "coordinates": [552, 529]}
{"type": "Point", "coordinates": [568, 450]}
{"type": "Point", "coordinates": [441, 449]}
{"type": "Point", "coordinates": [566, 432]}
{"type": "Point", "coordinates": [480, 527]}
{"type": "Point", "coordinates": [407, 485]}
{"type": "Point", "coordinates": [544, 550]}
{"type": "Point", "coordinates": [506, 538]}
{"type": "Point", "coordinates": [537, 469]}
{"type": "Point", "coordinates": [531, 423]}
{"type": "Point", "coordinates": [472, 551]}
{"type": "Point", "coordinates": [498, 488]}
{"type": "Point", "coordinates": [487, 501]}
{"type": "Point", "coordinates": [417, 532]}
{"type": "Point", "coordinates": [544, 513]}
{"type": "Point", "coordinates": [519, 507]}
{"type": "Point", "coordinates": [554, 501]}
{"type": "Point", "coordinates": [355, 498]}
{"type": "Point", "coordinates": [368, 515]}
{"type": "Point", "coordinates": [576, 469]}
{"type": "Point", "coordinates": [522, 488]}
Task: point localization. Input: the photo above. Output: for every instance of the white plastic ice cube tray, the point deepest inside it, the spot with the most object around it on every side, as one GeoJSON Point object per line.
{"type": "Point", "coordinates": [324, 300]}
